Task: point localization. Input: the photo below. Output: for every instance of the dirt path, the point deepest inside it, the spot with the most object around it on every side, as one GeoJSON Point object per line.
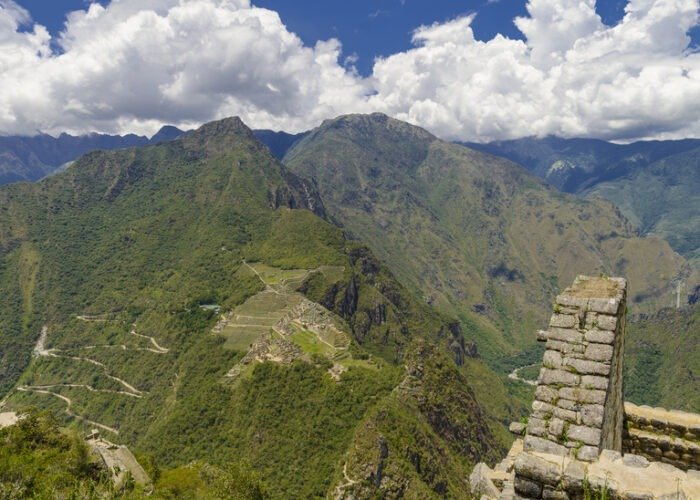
{"type": "Point", "coordinates": [40, 350]}
{"type": "Point", "coordinates": [338, 493]}
{"type": "Point", "coordinates": [268, 288]}
{"type": "Point", "coordinates": [88, 387]}
{"type": "Point", "coordinates": [68, 410]}
{"type": "Point", "coordinates": [514, 375]}
{"type": "Point", "coordinates": [158, 349]}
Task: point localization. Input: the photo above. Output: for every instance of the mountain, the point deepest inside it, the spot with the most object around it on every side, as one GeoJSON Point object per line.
{"type": "Point", "coordinates": [575, 165]}
{"type": "Point", "coordinates": [653, 183]}
{"type": "Point", "coordinates": [278, 142]}
{"type": "Point", "coordinates": [191, 300]}
{"type": "Point", "coordinates": [662, 198]}
{"type": "Point", "coordinates": [663, 359]}
{"type": "Point", "coordinates": [478, 236]}
{"type": "Point", "coordinates": [32, 158]}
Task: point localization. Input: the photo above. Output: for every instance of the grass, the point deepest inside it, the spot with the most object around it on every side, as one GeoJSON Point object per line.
{"type": "Point", "coordinates": [311, 344]}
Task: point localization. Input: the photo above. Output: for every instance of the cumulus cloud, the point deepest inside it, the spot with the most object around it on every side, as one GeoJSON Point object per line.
{"type": "Point", "coordinates": [136, 64]}
{"type": "Point", "coordinates": [572, 76]}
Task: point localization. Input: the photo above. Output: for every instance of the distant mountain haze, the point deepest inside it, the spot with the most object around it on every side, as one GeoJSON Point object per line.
{"type": "Point", "coordinates": [32, 158]}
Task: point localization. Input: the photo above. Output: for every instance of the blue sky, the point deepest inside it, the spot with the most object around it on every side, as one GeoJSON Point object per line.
{"type": "Point", "coordinates": [475, 70]}
{"type": "Point", "coordinates": [367, 28]}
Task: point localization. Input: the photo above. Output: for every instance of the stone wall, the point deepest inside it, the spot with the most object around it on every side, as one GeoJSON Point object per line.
{"type": "Point", "coordinates": [671, 437]}
{"type": "Point", "coordinates": [582, 441]}
{"type": "Point", "coordinates": [578, 407]}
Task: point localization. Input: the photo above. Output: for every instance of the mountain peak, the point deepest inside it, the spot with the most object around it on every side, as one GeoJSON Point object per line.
{"type": "Point", "coordinates": [378, 121]}
{"type": "Point", "coordinates": [219, 135]}
{"type": "Point", "coordinates": [166, 133]}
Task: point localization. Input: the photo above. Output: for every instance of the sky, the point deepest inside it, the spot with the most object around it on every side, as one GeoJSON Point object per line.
{"type": "Point", "coordinates": [475, 70]}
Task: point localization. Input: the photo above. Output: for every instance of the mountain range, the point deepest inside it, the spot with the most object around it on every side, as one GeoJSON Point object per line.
{"type": "Point", "coordinates": [190, 299]}
{"type": "Point", "coordinates": [33, 158]}
{"type": "Point", "coordinates": [655, 184]}
{"type": "Point", "coordinates": [341, 321]}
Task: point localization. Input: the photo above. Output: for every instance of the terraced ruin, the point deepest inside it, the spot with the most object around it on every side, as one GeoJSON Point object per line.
{"type": "Point", "coordinates": [108, 361]}
{"type": "Point", "coordinates": [280, 325]}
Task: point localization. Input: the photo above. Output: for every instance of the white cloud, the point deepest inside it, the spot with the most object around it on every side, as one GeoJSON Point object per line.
{"type": "Point", "coordinates": [573, 76]}
{"type": "Point", "coordinates": [136, 64]}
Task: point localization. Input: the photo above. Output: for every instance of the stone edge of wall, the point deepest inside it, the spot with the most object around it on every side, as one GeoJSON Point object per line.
{"type": "Point", "coordinates": [668, 436]}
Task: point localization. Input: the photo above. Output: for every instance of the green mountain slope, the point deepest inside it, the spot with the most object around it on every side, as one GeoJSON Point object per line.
{"type": "Point", "coordinates": [189, 300]}
{"type": "Point", "coordinates": [662, 198]}
{"type": "Point", "coordinates": [479, 236]}
{"type": "Point", "coordinates": [663, 359]}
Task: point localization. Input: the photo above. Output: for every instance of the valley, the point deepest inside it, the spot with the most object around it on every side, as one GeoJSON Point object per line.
{"type": "Point", "coordinates": [366, 306]}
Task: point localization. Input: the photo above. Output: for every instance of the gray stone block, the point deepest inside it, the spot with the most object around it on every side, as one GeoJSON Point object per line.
{"type": "Point", "coordinates": [552, 359]}
{"type": "Point", "coordinates": [599, 352]}
{"type": "Point", "coordinates": [517, 428]}
{"type": "Point", "coordinates": [568, 300]}
{"type": "Point", "coordinates": [567, 404]}
{"type": "Point", "coordinates": [592, 415]}
{"type": "Point", "coordinates": [546, 394]}
{"type": "Point", "coordinates": [535, 443]}
{"type": "Point", "coordinates": [551, 494]}
{"type": "Point", "coordinates": [541, 410]}
{"type": "Point", "coordinates": [600, 336]}
{"type": "Point", "coordinates": [480, 482]}
{"type": "Point", "coordinates": [605, 306]}
{"type": "Point", "coordinates": [595, 382]}
{"type": "Point", "coordinates": [565, 347]}
{"type": "Point", "coordinates": [536, 427]}
{"type": "Point", "coordinates": [527, 488]}
{"type": "Point", "coordinates": [610, 455]}
{"type": "Point", "coordinates": [556, 427]}
{"type": "Point", "coordinates": [585, 367]}
{"type": "Point", "coordinates": [538, 469]}
{"type": "Point", "coordinates": [568, 415]}
{"type": "Point", "coordinates": [606, 322]}
{"type": "Point", "coordinates": [557, 377]}
{"type": "Point", "coordinates": [563, 321]}
{"type": "Point", "coordinates": [584, 396]}
{"type": "Point", "coordinates": [574, 475]}
{"type": "Point", "coordinates": [636, 461]}
{"type": "Point", "coordinates": [591, 320]}
{"type": "Point", "coordinates": [565, 335]}
{"type": "Point", "coordinates": [587, 453]}
{"type": "Point", "coordinates": [587, 435]}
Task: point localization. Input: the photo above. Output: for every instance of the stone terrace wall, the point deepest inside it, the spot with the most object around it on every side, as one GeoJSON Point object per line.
{"type": "Point", "coordinates": [578, 407]}
{"type": "Point", "coordinates": [672, 437]}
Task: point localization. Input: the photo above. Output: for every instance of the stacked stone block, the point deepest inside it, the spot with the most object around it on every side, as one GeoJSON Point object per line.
{"type": "Point", "coordinates": [578, 407]}
{"type": "Point", "coordinates": [671, 437]}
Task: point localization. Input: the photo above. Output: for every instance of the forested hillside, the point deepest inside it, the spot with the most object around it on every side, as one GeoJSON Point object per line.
{"type": "Point", "coordinates": [476, 235]}
{"type": "Point", "coordinates": [189, 300]}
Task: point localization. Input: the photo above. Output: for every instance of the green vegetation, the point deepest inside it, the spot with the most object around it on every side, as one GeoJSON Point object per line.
{"type": "Point", "coordinates": [38, 460]}
{"type": "Point", "coordinates": [662, 361]}
{"type": "Point", "coordinates": [473, 235]}
{"type": "Point", "coordinates": [662, 199]}
{"type": "Point", "coordinates": [123, 261]}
